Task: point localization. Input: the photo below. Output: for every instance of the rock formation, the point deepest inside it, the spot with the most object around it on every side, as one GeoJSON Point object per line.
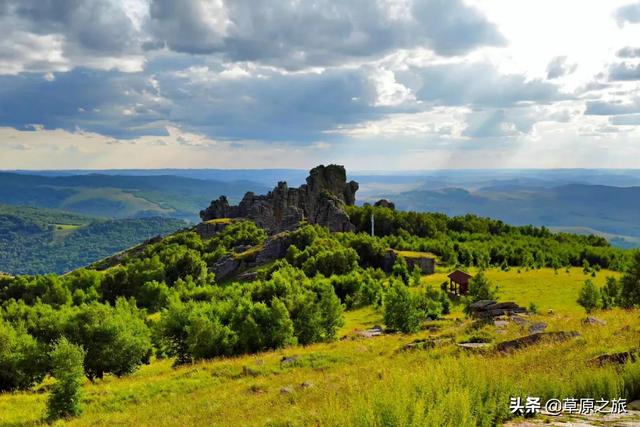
{"type": "Point", "coordinates": [320, 201]}
{"type": "Point", "coordinates": [384, 203]}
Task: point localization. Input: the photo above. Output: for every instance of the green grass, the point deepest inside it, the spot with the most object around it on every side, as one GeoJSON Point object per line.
{"type": "Point", "coordinates": [220, 221]}
{"type": "Point", "coordinates": [373, 382]}
{"type": "Point", "coordinates": [415, 254]}
{"type": "Point", "coordinates": [543, 287]}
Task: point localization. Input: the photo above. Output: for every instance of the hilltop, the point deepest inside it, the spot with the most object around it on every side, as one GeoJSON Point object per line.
{"type": "Point", "coordinates": [290, 323]}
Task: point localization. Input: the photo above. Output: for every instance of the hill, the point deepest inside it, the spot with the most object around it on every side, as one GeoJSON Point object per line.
{"type": "Point", "coordinates": [606, 210]}
{"type": "Point", "coordinates": [291, 324]}
{"type": "Point", "coordinates": [118, 196]}
{"type": "Point", "coordinates": [39, 241]}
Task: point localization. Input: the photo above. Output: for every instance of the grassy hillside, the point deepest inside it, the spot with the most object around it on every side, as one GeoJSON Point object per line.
{"type": "Point", "coordinates": [119, 196]}
{"type": "Point", "coordinates": [39, 241]}
{"type": "Point", "coordinates": [360, 381]}
{"type": "Point", "coordinates": [242, 328]}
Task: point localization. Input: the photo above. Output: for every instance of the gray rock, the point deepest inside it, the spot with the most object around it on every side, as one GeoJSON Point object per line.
{"type": "Point", "coordinates": [532, 339]}
{"type": "Point", "coordinates": [286, 390]}
{"type": "Point", "coordinates": [500, 323]}
{"type": "Point", "coordinates": [478, 305]}
{"type": "Point", "coordinates": [590, 320]}
{"type": "Point", "coordinates": [537, 327]}
{"type": "Point", "coordinates": [474, 345]}
{"type": "Point", "coordinates": [384, 203]}
{"type": "Point", "coordinates": [289, 360]}
{"type": "Point", "coordinates": [320, 201]}
{"type": "Point", "coordinates": [225, 266]}
{"type": "Point", "coordinates": [615, 359]}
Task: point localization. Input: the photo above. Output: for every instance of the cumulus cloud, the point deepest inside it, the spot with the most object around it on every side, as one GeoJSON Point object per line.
{"type": "Point", "coordinates": [478, 84]}
{"type": "Point", "coordinates": [628, 14]}
{"type": "Point", "coordinates": [327, 32]}
{"type": "Point", "coordinates": [624, 71]}
{"type": "Point", "coordinates": [629, 52]}
{"type": "Point", "coordinates": [58, 35]}
{"type": "Point", "coordinates": [559, 67]}
{"type": "Point", "coordinates": [613, 108]}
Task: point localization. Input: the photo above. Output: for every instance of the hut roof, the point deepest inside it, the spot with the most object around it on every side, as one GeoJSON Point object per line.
{"type": "Point", "coordinates": [459, 276]}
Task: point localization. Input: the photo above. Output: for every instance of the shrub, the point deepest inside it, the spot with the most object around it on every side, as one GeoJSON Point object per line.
{"type": "Point", "coordinates": [401, 309]}
{"type": "Point", "coordinates": [401, 270]}
{"type": "Point", "coordinates": [116, 339]}
{"type": "Point", "coordinates": [67, 363]}
{"type": "Point", "coordinates": [610, 293]}
{"type": "Point", "coordinates": [630, 283]}
{"type": "Point", "coordinates": [589, 296]}
{"type": "Point", "coordinates": [22, 360]}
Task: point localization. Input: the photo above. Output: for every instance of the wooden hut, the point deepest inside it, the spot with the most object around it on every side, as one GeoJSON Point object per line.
{"type": "Point", "coordinates": [459, 282]}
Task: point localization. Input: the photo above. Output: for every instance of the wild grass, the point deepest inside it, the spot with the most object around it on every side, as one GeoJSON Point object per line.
{"type": "Point", "coordinates": [548, 289]}
{"type": "Point", "coordinates": [368, 382]}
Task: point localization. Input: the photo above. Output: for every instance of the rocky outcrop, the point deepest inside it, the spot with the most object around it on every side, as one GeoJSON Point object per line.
{"type": "Point", "coordinates": [615, 358]}
{"type": "Point", "coordinates": [532, 339]}
{"type": "Point", "coordinates": [486, 309]}
{"type": "Point", "coordinates": [320, 201]}
{"type": "Point", "coordinates": [384, 203]}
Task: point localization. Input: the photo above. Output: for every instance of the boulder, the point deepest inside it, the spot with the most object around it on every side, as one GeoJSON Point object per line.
{"type": "Point", "coordinates": [590, 320]}
{"type": "Point", "coordinates": [320, 201]}
{"type": "Point", "coordinates": [288, 361]}
{"type": "Point", "coordinates": [532, 339]}
{"type": "Point", "coordinates": [225, 266]}
{"type": "Point", "coordinates": [615, 359]}
{"type": "Point", "coordinates": [474, 345]}
{"type": "Point", "coordinates": [384, 203]}
{"type": "Point", "coordinates": [286, 390]}
{"type": "Point", "coordinates": [536, 328]}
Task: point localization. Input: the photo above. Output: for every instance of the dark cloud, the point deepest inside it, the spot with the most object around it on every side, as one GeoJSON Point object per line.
{"type": "Point", "coordinates": [297, 108]}
{"type": "Point", "coordinates": [629, 52]}
{"type": "Point", "coordinates": [476, 84]}
{"type": "Point", "coordinates": [624, 71]}
{"type": "Point", "coordinates": [94, 25]}
{"type": "Point", "coordinates": [628, 14]}
{"type": "Point", "coordinates": [106, 102]}
{"type": "Point", "coordinates": [324, 32]}
{"type": "Point", "coordinates": [613, 108]}
{"type": "Point", "coordinates": [272, 106]}
{"type": "Point", "coordinates": [559, 67]}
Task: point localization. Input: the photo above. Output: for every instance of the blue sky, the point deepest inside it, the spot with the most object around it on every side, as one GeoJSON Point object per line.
{"type": "Point", "coordinates": [372, 84]}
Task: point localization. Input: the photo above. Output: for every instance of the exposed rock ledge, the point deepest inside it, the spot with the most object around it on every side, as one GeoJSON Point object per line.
{"type": "Point", "coordinates": [320, 201]}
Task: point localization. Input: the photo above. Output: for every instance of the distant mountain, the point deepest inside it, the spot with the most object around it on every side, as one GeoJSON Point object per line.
{"type": "Point", "coordinates": [120, 196]}
{"type": "Point", "coordinates": [38, 241]}
{"type": "Point", "coordinates": [613, 212]}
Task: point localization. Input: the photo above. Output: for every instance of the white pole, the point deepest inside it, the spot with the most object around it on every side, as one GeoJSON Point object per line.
{"type": "Point", "coordinates": [373, 221]}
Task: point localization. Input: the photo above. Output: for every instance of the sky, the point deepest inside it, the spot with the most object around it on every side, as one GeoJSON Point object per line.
{"type": "Point", "coordinates": [371, 84]}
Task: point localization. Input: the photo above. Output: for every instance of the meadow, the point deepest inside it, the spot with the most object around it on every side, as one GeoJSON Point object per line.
{"type": "Point", "coordinates": [374, 381]}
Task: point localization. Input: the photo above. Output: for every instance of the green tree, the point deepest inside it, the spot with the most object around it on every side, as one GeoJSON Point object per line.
{"type": "Point", "coordinates": [67, 368]}
{"type": "Point", "coordinates": [416, 275]}
{"type": "Point", "coordinates": [331, 313]}
{"type": "Point", "coordinates": [630, 283]}
{"type": "Point", "coordinates": [480, 288]}
{"type": "Point", "coordinates": [22, 360]}
{"type": "Point", "coordinates": [116, 339]}
{"type": "Point", "coordinates": [401, 270]}
{"type": "Point", "coordinates": [589, 296]}
{"type": "Point", "coordinates": [610, 293]}
{"type": "Point", "coordinates": [401, 309]}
